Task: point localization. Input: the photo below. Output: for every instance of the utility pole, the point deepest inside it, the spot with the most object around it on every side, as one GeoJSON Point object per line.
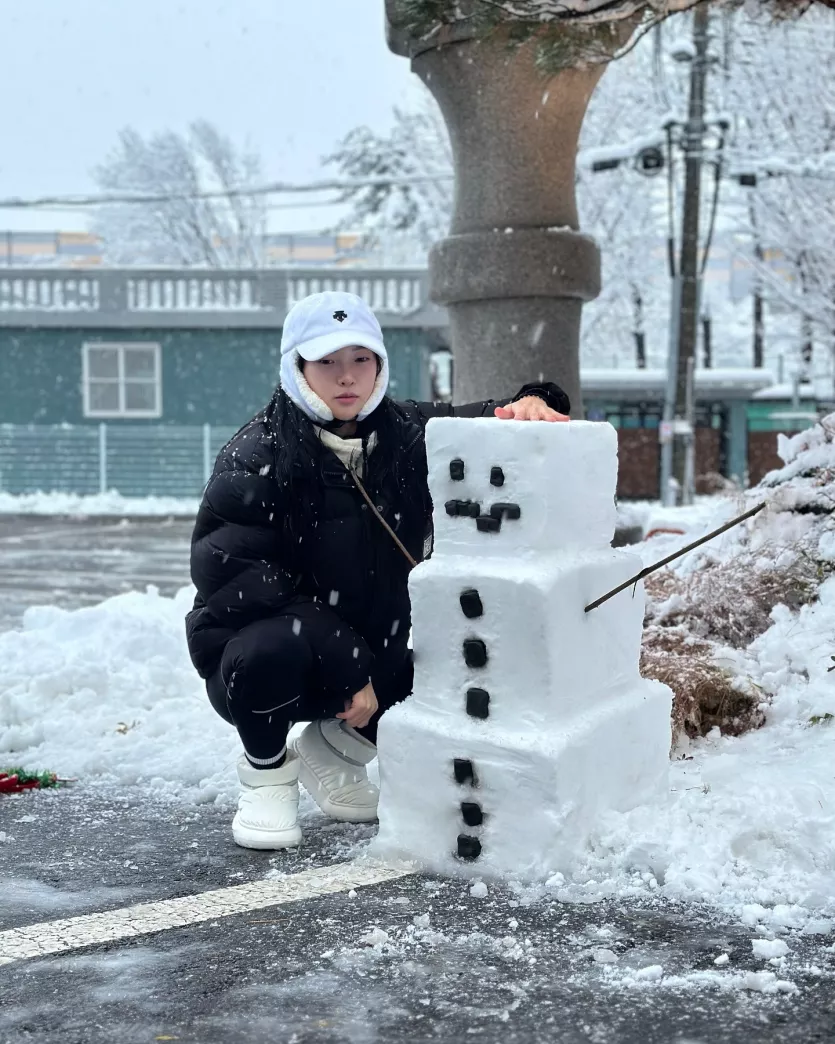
{"type": "Point", "coordinates": [688, 317]}
{"type": "Point", "coordinates": [678, 448]}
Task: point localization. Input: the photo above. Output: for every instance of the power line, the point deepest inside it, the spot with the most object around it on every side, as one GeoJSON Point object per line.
{"type": "Point", "coordinates": [278, 187]}
{"type": "Point", "coordinates": [774, 166]}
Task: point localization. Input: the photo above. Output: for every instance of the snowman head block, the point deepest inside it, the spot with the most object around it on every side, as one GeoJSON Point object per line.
{"type": "Point", "coordinates": [532, 487]}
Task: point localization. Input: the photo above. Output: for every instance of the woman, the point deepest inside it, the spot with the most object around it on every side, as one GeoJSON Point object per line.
{"type": "Point", "coordinates": [302, 609]}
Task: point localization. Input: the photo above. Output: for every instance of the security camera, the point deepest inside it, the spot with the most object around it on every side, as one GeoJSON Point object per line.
{"type": "Point", "coordinates": [650, 161]}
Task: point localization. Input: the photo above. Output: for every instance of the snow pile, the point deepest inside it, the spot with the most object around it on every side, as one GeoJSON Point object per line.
{"type": "Point", "coordinates": [108, 692]}
{"type": "Point", "coordinates": [651, 516]}
{"type": "Point", "coordinates": [799, 498]}
{"type": "Point", "coordinates": [719, 599]}
{"type": "Point", "coordinates": [94, 504]}
{"type": "Point", "coordinates": [750, 821]}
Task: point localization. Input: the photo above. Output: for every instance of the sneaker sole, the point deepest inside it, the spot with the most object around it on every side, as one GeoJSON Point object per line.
{"type": "Point", "coordinates": [342, 813]}
{"type": "Point", "coordinates": [265, 840]}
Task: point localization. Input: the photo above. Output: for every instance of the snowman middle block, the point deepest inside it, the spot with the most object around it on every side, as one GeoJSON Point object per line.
{"type": "Point", "coordinates": [511, 638]}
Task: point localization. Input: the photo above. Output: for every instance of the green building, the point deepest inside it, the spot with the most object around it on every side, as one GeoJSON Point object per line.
{"type": "Point", "coordinates": [132, 379]}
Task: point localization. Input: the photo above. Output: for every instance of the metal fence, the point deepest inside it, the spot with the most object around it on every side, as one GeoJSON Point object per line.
{"type": "Point", "coordinates": [134, 460]}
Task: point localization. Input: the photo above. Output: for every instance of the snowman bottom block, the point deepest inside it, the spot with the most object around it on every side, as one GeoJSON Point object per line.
{"type": "Point", "coordinates": [465, 797]}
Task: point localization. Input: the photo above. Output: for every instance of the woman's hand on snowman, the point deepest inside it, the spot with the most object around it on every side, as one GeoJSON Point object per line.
{"type": "Point", "coordinates": [361, 708]}
{"type": "Point", "coordinates": [529, 408]}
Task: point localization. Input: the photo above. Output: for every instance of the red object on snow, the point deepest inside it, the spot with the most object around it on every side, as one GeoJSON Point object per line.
{"type": "Point", "coordinates": [663, 529]}
{"type": "Point", "coordinates": [13, 785]}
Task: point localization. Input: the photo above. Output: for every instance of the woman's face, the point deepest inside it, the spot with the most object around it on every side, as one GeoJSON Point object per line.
{"type": "Point", "coordinates": [343, 380]}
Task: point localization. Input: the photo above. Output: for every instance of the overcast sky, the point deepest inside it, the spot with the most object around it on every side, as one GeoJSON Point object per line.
{"type": "Point", "coordinates": [288, 77]}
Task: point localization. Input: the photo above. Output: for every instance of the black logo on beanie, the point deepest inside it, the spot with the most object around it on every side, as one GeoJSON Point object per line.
{"type": "Point", "coordinates": [340, 316]}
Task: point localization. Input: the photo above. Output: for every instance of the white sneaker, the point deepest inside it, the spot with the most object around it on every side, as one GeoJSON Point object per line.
{"type": "Point", "coordinates": [268, 808]}
{"type": "Point", "coordinates": [332, 760]}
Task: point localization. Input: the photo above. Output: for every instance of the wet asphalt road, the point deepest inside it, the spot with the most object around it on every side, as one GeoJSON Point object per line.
{"type": "Point", "coordinates": [502, 969]}
{"type": "Point", "coordinates": [73, 562]}
{"type": "Point", "coordinates": [492, 969]}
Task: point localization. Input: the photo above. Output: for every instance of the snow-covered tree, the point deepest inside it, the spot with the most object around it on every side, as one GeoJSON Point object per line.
{"type": "Point", "coordinates": [782, 88]}
{"type": "Point", "coordinates": [563, 32]}
{"type": "Point", "coordinates": [179, 226]}
{"type": "Point", "coordinates": [413, 211]}
{"type": "Point", "coordinates": [623, 208]}
{"type": "Point", "coordinates": [763, 76]}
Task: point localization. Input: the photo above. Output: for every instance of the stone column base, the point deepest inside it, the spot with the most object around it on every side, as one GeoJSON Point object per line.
{"type": "Point", "coordinates": [519, 291]}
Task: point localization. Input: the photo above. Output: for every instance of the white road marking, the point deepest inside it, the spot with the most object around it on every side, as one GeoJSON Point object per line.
{"type": "Point", "coordinates": [73, 933]}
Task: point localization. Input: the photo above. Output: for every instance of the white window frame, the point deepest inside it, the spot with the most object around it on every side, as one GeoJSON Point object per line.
{"type": "Point", "coordinates": [122, 412]}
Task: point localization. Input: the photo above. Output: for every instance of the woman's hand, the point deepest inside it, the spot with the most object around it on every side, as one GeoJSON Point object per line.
{"type": "Point", "coordinates": [361, 708]}
{"type": "Point", "coordinates": [529, 408]}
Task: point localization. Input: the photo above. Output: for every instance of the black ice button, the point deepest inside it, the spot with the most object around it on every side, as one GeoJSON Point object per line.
{"type": "Point", "coordinates": [489, 523]}
{"type": "Point", "coordinates": [468, 847]}
{"type": "Point", "coordinates": [456, 470]}
{"type": "Point", "coordinates": [478, 703]}
{"type": "Point", "coordinates": [463, 770]}
{"type": "Point", "coordinates": [496, 477]}
{"type": "Point", "coordinates": [472, 813]}
{"type": "Point", "coordinates": [475, 652]}
{"type": "Point", "coordinates": [452, 507]}
{"type": "Point", "coordinates": [500, 511]}
{"type": "Point", "coordinates": [471, 603]}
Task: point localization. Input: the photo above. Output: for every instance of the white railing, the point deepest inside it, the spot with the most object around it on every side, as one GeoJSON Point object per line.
{"type": "Point", "coordinates": [216, 293]}
{"type": "Point", "coordinates": [49, 292]}
{"type": "Point", "coordinates": [132, 459]}
{"type": "Point", "coordinates": [258, 297]}
{"type": "Point", "coordinates": [398, 295]}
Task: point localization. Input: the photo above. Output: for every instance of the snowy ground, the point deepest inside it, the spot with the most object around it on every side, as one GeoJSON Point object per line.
{"type": "Point", "coordinates": [416, 959]}
{"type": "Point", "coordinates": [735, 871]}
{"type": "Point", "coordinates": [97, 504]}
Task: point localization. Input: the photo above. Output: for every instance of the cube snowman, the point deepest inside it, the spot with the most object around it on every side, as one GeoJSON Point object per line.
{"type": "Point", "coordinates": [529, 717]}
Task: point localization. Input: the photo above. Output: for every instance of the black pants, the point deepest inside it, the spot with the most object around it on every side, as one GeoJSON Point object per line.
{"type": "Point", "coordinates": [269, 678]}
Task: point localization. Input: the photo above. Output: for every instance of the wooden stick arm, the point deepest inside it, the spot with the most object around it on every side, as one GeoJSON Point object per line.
{"type": "Point", "coordinates": [671, 558]}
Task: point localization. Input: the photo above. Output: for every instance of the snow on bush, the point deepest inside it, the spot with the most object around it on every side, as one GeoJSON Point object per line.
{"type": "Point", "coordinates": [722, 597]}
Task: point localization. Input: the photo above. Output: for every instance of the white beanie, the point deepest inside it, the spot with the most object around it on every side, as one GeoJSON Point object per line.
{"type": "Point", "coordinates": [319, 325]}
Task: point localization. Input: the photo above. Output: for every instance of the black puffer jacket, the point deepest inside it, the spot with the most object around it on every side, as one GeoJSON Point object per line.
{"type": "Point", "coordinates": [342, 576]}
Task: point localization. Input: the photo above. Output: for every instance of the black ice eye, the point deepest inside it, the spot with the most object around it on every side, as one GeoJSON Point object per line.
{"type": "Point", "coordinates": [496, 476]}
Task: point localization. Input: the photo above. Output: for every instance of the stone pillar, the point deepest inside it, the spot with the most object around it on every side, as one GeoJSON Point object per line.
{"type": "Point", "coordinates": [514, 271]}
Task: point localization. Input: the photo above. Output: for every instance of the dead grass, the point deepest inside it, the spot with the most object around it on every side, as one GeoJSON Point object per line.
{"type": "Point", "coordinates": [705, 695]}
{"type": "Point", "coordinates": [723, 604]}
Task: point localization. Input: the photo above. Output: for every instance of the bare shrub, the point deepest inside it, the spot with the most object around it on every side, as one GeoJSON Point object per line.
{"type": "Point", "coordinates": [705, 695]}
{"type": "Point", "coordinates": [723, 603]}
{"type": "Point", "coordinates": [730, 602]}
